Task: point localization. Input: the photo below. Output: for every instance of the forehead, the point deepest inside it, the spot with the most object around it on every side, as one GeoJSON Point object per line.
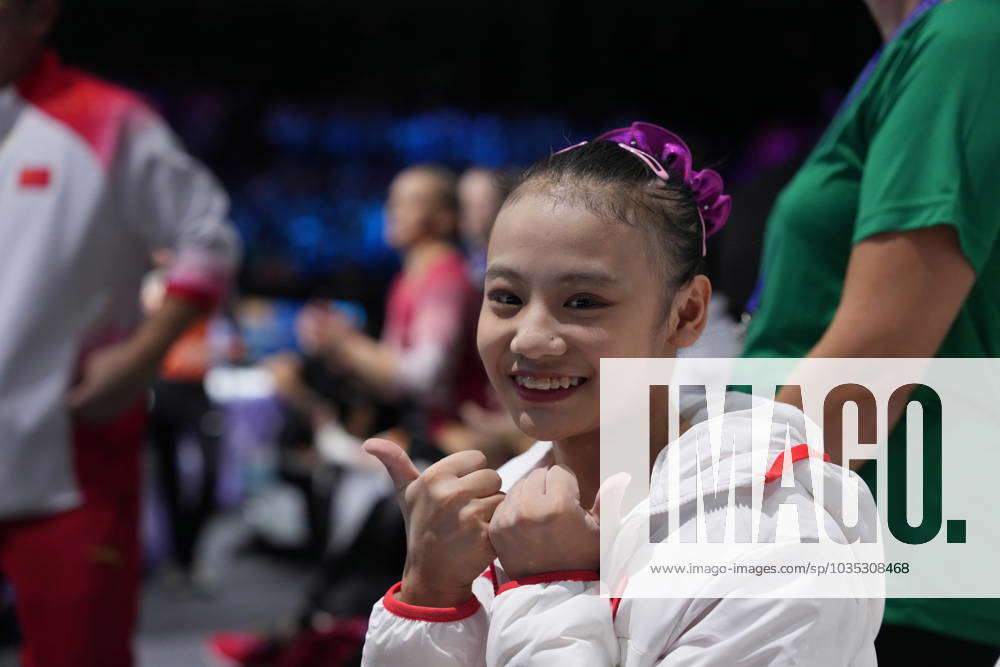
{"type": "Point", "coordinates": [540, 230]}
{"type": "Point", "coordinates": [417, 183]}
{"type": "Point", "coordinates": [476, 183]}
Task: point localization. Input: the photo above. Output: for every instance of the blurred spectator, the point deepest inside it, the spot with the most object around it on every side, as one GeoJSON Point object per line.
{"type": "Point", "coordinates": [96, 183]}
{"type": "Point", "coordinates": [348, 387]}
{"type": "Point", "coordinates": [427, 351]}
{"type": "Point", "coordinates": [480, 194]}
{"type": "Point", "coordinates": [181, 416]}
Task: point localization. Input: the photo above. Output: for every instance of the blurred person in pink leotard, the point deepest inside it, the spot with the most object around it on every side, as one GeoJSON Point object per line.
{"type": "Point", "coordinates": [426, 352]}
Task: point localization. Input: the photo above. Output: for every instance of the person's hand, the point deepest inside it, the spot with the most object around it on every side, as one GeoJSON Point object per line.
{"type": "Point", "coordinates": [112, 378]}
{"type": "Point", "coordinates": [541, 527]}
{"type": "Point", "coordinates": [286, 373]}
{"type": "Point", "coordinates": [310, 330]}
{"type": "Point", "coordinates": [322, 329]}
{"type": "Point", "coordinates": [447, 511]}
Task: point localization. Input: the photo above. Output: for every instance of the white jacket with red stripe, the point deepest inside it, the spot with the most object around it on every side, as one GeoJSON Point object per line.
{"type": "Point", "coordinates": [92, 181]}
{"type": "Point", "coordinates": [560, 619]}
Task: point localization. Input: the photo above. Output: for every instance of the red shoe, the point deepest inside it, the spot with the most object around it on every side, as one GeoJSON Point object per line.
{"type": "Point", "coordinates": [336, 643]}
{"type": "Point", "coordinates": [242, 649]}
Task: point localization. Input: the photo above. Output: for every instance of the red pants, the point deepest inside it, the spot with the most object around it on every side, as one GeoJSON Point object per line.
{"type": "Point", "coordinates": [76, 574]}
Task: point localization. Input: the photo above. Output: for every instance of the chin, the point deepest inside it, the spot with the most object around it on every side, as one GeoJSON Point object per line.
{"type": "Point", "coordinates": [548, 427]}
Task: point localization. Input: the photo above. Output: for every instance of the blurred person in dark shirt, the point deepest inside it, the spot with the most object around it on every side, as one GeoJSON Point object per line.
{"type": "Point", "coordinates": [182, 413]}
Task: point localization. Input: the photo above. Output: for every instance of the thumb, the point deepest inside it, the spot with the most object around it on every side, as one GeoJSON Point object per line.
{"type": "Point", "coordinates": [610, 495]}
{"type": "Point", "coordinates": [397, 462]}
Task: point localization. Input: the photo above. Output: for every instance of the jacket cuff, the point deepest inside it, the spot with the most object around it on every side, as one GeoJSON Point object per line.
{"type": "Point", "coordinates": [205, 301]}
{"type": "Point", "coordinates": [550, 577]}
{"type": "Point", "coordinates": [432, 614]}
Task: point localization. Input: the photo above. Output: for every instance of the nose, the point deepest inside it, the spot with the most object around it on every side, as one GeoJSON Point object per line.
{"type": "Point", "coordinates": [537, 335]}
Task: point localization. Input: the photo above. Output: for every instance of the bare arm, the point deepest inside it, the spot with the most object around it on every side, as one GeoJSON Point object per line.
{"type": "Point", "coordinates": [435, 333]}
{"type": "Point", "coordinates": [375, 363]}
{"type": "Point", "coordinates": [902, 292]}
{"type": "Point", "coordinates": [114, 376]}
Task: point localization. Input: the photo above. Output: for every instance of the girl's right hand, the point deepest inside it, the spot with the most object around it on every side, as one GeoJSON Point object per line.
{"type": "Point", "coordinates": [447, 510]}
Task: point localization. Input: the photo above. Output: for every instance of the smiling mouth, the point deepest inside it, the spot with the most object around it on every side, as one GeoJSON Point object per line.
{"type": "Point", "coordinates": [546, 389]}
{"type": "Point", "coordinates": [547, 383]}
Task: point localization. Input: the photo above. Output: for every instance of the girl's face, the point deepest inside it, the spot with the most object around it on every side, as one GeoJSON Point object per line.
{"type": "Point", "coordinates": [565, 287]}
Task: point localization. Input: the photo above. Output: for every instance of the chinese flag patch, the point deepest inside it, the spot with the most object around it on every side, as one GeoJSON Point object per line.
{"type": "Point", "coordinates": [35, 177]}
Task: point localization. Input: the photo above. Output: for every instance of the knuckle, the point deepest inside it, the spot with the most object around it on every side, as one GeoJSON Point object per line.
{"type": "Point", "coordinates": [476, 458]}
{"type": "Point", "coordinates": [532, 517]}
{"type": "Point", "coordinates": [501, 517]}
{"type": "Point", "coordinates": [536, 514]}
{"type": "Point", "coordinates": [432, 473]}
{"type": "Point", "coordinates": [441, 494]}
{"type": "Point", "coordinates": [561, 506]}
{"type": "Point", "coordinates": [492, 507]}
{"type": "Point", "coordinates": [414, 491]}
{"type": "Point", "coordinates": [467, 515]}
{"type": "Point", "coordinates": [467, 484]}
{"type": "Point", "coordinates": [497, 528]}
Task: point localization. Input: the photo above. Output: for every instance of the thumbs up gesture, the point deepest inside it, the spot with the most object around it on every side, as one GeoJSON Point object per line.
{"type": "Point", "coordinates": [447, 511]}
{"type": "Point", "coordinates": [541, 527]}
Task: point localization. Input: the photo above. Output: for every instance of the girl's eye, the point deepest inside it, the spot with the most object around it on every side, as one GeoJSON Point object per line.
{"type": "Point", "coordinates": [584, 302]}
{"type": "Point", "coordinates": [503, 297]}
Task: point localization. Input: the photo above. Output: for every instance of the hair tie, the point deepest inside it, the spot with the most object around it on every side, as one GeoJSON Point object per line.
{"type": "Point", "coordinates": [664, 152]}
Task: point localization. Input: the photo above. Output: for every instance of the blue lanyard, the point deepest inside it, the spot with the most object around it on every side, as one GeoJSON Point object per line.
{"type": "Point", "coordinates": [866, 74]}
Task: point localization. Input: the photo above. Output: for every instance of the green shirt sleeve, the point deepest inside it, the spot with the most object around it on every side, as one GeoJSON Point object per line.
{"type": "Point", "coordinates": [934, 155]}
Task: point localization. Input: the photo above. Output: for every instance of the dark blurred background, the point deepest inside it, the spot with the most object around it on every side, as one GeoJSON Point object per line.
{"type": "Point", "coordinates": [305, 108]}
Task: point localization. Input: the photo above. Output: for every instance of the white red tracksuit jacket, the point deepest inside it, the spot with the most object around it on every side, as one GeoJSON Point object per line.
{"type": "Point", "coordinates": [91, 182]}
{"type": "Point", "coordinates": [562, 621]}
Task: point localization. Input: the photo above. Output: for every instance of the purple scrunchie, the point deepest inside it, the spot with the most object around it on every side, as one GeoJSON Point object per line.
{"type": "Point", "coordinates": [673, 154]}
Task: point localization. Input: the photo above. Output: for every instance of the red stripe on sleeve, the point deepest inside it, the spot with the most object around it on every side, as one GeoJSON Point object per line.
{"type": "Point", "coordinates": [491, 574]}
{"type": "Point", "coordinates": [550, 577]}
{"type": "Point", "coordinates": [431, 614]}
{"type": "Point", "coordinates": [798, 453]}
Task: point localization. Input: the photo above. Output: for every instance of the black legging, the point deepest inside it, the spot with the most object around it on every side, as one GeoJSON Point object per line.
{"type": "Point", "coordinates": [182, 409]}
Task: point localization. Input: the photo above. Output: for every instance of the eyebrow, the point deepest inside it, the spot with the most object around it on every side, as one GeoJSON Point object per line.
{"type": "Point", "coordinates": [598, 278]}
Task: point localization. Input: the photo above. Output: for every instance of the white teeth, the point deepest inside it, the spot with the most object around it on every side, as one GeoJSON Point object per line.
{"type": "Point", "coordinates": [546, 383]}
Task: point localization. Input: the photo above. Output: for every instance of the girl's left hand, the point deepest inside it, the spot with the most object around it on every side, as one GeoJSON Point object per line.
{"type": "Point", "coordinates": [540, 526]}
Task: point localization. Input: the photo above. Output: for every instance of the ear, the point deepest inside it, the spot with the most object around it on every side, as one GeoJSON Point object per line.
{"type": "Point", "coordinates": [689, 312]}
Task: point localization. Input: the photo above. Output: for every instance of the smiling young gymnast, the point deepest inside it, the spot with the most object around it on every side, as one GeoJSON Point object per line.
{"type": "Point", "coordinates": [596, 253]}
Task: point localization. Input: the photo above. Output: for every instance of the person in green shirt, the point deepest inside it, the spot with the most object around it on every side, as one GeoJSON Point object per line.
{"type": "Point", "coordinates": [884, 244]}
